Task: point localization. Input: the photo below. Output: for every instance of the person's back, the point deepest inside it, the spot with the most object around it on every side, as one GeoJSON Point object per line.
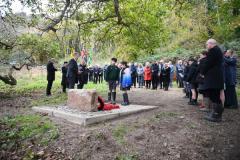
{"type": "Point", "coordinates": [192, 74]}
{"type": "Point", "coordinates": [112, 73]}
{"type": "Point", "coordinates": [72, 72]}
{"type": "Point", "coordinates": [50, 76]}
{"type": "Point", "coordinates": [51, 71]}
{"type": "Point", "coordinates": [213, 69]}
{"type": "Point", "coordinates": [155, 69]}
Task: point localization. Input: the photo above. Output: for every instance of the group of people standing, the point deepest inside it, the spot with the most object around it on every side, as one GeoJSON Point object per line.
{"type": "Point", "coordinates": [213, 75]}
{"type": "Point", "coordinates": [152, 75]}
{"type": "Point", "coordinates": [73, 74]}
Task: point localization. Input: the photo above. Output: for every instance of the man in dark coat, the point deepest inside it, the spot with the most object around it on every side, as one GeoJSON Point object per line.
{"type": "Point", "coordinates": [133, 69]}
{"type": "Point", "coordinates": [186, 85]}
{"type": "Point", "coordinates": [112, 76]}
{"type": "Point", "coordinates": [100, 75]}
{"type": "Point", "coordinates": [90, 74]}
{"type": "Point", "coordinates": [95, 74]}
{"type": "Point", "coordinates": [82, 75]}
{"type": "Point", "coordinates": [72, 73]}
{"type": "Point", "coordinates": [213, 79]}
{"type": "Point", "coordinates": [166, 76]}
{"type": "Point", "coordinates": [50, 76]}
{"type": "Point", "coordinates": [230, 66]}
{"type": "Point", "coordinates": [155, 70]}
{"type": "Point", "coordinates": [160, 71]}
{"type": "Point", "coordinates": [64, 82]}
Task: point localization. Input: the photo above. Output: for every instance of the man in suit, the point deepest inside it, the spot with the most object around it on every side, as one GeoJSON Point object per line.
{"type": "Point", "coordinates": [64, 82]}
{"type": "Point", "coordinates": [50, 76]}
{"type": "Point", "coordinates": [72, 72]}
{"type": "Point", "coordinates": [213, 79]}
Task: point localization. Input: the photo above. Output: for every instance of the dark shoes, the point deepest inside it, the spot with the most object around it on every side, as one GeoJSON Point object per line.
{"type": "Point", "coordinates": [216, 114]}
{"type": "Point", "coordinates": [125, 99]}
{"type": "Point", "coordinates": [193, 102]}
{"type": "Point", "coordinates": [112, 97]}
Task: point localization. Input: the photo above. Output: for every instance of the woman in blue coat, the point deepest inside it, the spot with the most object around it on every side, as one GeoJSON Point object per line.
{"type": "Point", "coordinates": [230, 68]}
{"type": "Point", "coordinates": [125, 82]}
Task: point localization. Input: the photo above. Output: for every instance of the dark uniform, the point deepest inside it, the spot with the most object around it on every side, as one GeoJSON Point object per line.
{"type": "Point", "coordinates": [112, 76]}
{"type": "Point", "coordinates": [50, 77]}
{"type": "Point", "coordinates": [166, 77]}
{"type": "Point", "coordinates": [72, 73]}
{"type": "Point", "coordinates": [82, 76]}
{"type": "Point", "coordinates": [155, 70]}
{"type": "Point", "coordinates": [64, 82]}
{"type": "Point", "coordinates": [100, 75]}
{"type": "Point", "coordinates": [95, 74]}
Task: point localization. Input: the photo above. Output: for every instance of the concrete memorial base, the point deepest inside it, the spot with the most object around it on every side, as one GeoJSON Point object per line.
{"type": "Point", "coordinates": [87, 118]}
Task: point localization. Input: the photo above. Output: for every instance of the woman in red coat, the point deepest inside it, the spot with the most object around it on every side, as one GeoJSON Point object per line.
{"type": "Point", "coordinates": [148, 75]}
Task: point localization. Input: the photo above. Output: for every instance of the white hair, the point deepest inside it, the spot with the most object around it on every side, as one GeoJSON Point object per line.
{"type": "Point", "coordinates": [212, 41]}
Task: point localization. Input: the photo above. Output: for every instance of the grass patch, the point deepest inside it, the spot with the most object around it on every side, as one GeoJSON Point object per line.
{"type": "Point", "coordinates": [119, 133]}
{"type": "Point", "coordinates": [126, 157]}
{"type": "Point", "coordinates": [28, 85]}
{"type": "Point", "coordinates": [55, 99]}
{"type": "Point", "coordinates": [238, 91]}
{"type": "Point", "coordinates": [191, 125]}
{"type": "Point", "coordinates": [22, 130]}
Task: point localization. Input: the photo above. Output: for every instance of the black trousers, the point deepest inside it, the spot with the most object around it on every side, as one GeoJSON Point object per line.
{"type": "Point", "coordinates": [134, 80]}
{"type": "Point", "coordinates": [71, 83]}
{"type": "Point", "coordinates": [64, 86]}
{"type": "Point", "coordinates": [166, 84]}
{"type": "Point", "coordinates": [80, 86]}
{"type": "Point", "coordinates": [100, 79]}
{"type": "Point", "coordinates": [148, 83]}
{"type": "Point", "coordinates": [231, 97]}
{"type": "Point", "coordinates": [95, 79]}
{"type": "Point", "coordinates": [161, 82]}
{"type": "Point", "coordinates": [49, 87]}
{"type": "Point", "coordinates": [154, 81]}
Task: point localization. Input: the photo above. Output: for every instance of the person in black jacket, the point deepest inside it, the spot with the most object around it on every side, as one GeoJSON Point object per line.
{"type": "Point", "coordinates": [160, 69]}
{"type": "Point", "coordinates": [95, 74]}
{"type": "Point", "coordinates": [187, 88]}
{"type": "Point", "coordinates": [50, 76]}
{"type": "Point", "coordinates": [112, 76]}
{"type": "Point", "coordinates": [72, 73]}
{"type": "Point", "coordinates": [64, 82]}
{"type": "Point", "coordinates": [191, 78]}
{"type": "Point", "coordinates": [213, 79]}
{"type": "Point", "coordinates": [133, 68]}
{"type": "Point", "coordinates": [82, 75]}
{"type": "Point", "coordinates": [205, 106]}
{"type": "Point", "coordinates": [230, 69]}
{"type": "Point", "coordinates": [100, 75]}
{"type": "Point", "coordinates": [166, 76]}
{"type": "Point", "coordinates": [155, 70]}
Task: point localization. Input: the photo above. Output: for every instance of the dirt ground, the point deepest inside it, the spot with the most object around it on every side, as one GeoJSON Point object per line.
{"type": "Point", "coordinates": [173, 131]}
